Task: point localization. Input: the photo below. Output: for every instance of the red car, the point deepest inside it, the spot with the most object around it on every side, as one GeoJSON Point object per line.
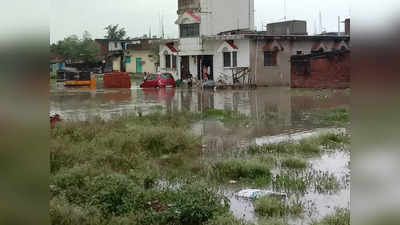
{"type": "Point", "coordinates": [162, 80]}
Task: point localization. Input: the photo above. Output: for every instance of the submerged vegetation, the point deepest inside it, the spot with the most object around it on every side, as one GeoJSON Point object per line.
{"type": "Point", "coordinates": [341, 217]}
{"type": "Point", "coordinates": [148, 169]}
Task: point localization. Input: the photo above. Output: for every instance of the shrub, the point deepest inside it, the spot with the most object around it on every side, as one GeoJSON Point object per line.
{"type": "Point", "coordinates": [63, 213]}
{"type": "Point", "coordinates": [237, 169]}
{"type": "Point", "coordinates": [272, 221]}
{"type": "Point", "coordinates": [341, 217]}
{"type": "Point", "coordinates": [197, 204]}
{"type": "Point", "coordinates": [269, 206]}
{"type": "Point", "coordinates": [226, 219]}
{"type": "Point", "coordinates": [294, 163]}
{"type": "Point", "coordinates": [333, 140]}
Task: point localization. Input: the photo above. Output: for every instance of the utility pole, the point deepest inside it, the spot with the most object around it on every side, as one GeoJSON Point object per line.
{"type": "Point", "coordinates": [338, 25]}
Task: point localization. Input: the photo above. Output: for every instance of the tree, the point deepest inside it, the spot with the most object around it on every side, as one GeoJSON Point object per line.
{"type": "Point", "coordinates": [113, 33]}
{"type": "Point", "coordinates": [75, 49]}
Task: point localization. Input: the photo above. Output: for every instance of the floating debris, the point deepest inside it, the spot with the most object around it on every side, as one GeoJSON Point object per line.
{"type": "Point", "coordinates": [256, 193]}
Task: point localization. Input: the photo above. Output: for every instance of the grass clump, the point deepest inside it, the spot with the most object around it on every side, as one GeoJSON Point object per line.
{"type": "Point", "coordinates": [292, 162]}
{"type": "Point", "coordinates": [341, 217]}
{"type": "Point", "coordinates": [333, 140]}
{"type": "Point", "coordinates": [272, 221]}
{"type": "Point", "coordinates": [274, 206]}
{"type": "Point", "coordinates": [290, 182]}
{"type": "Point", "coordinates": [110, 172]}
{"type": "Point", "coordinates": [241, 169]}
{"type": "Point", "coordinates": [269, 206]}
{"type": "Point", "coordinates": [226, 116]}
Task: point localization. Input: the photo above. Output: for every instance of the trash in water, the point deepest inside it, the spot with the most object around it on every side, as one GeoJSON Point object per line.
{"type": "Point", "coordinates": [256, 193]}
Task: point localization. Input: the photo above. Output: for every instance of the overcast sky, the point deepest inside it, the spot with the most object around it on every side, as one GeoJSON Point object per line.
{"type": "Point", "coordinates": [139, 16]}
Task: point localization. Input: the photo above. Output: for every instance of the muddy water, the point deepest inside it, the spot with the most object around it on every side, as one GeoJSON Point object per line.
{"type": "Point", "coordinates": [277, 112]}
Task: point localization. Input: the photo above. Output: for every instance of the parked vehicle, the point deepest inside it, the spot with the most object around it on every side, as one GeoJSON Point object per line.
{"type": "Point", "coordinates": [162, 80]}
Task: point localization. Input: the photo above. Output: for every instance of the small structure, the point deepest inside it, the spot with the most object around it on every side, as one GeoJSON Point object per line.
{"type": "Point", "coordinates": [133, 55]}
{"type": "Point", "coordinates": [291, 27]}
{"type": "Point", "coordinates": [321, 70]}
{"type": "Point", "coordinates": [117, 80]}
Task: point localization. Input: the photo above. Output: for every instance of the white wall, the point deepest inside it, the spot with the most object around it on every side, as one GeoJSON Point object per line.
{"type": "Point", "coordinates": [243, 59]}
{"type": "Point", "coordinates": [224, 15]}
{"type": "Point", "coordinates": [111, 46]}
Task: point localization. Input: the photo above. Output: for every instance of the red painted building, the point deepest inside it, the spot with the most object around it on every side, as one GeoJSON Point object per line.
{"type": "Point", "coordinates": [321, 70]}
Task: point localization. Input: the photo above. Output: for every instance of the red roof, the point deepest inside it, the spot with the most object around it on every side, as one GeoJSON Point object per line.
{"type": "Point", "coordinates": [268, 47]}
{"type": "Point", "coordinates": [316, 46]}
{"type": "Point", "coordinates": [171, 47]}
{"type": "Point", "coordinates": [194, 16]}
{"type": "Point", "coordinates": [232, 44]}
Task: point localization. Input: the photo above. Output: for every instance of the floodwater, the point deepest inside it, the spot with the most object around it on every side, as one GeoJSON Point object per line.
{"type": "Point", "coordinates": [278, 112]}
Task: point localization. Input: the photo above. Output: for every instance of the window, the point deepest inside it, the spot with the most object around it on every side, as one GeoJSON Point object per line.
{"type": "Point", "coordinates": [227, 59]}
{"type": "Point", "coordinates": [230, 59]}
{"type": "Point", "coordinates": [115, 44]}
{"type": "Point", "coordinates": [152, 77]}
{"type": "Point", "coordinates": [270, 58]}
{"type": "Point", "coordinates": [167, 61]}
{"type": "Point", "coordinates": [127, 59]}
{"type": "Point", "coordinates": [189, 30]}
{"type": "Point", "coordinates": [166, 76]}
{"type": "Point", "coordinates": [234, 59]}
{"type": "Point", "coordinates": [174, 61]}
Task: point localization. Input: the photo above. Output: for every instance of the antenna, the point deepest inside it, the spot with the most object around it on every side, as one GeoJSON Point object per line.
{"type": "Point", "coordinates": [284, 8]}
{"type": "Point", "coordinates": [320, 21]}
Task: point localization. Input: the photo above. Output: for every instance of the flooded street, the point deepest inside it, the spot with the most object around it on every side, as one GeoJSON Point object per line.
{"type": "Point", "coordinates": [277, 114]}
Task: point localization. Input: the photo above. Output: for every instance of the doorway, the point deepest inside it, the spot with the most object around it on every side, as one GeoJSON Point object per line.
{"type": "Point", "coordinates": [205, 61]}
{"type": "Point", "coordinates": [139, 65]}
{"type": "Point", "coordinates": [185, 67]}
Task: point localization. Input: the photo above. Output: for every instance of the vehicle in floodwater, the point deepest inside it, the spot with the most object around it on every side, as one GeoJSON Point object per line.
{"type": "Point", "coordinates": [163, 80]}
{"type": "Point", "coordinates": [73, 77]}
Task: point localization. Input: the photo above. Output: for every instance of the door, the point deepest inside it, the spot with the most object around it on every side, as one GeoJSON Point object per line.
{"type": "Point", "coordinates": [139, 65]}
{"type": "Point", "coordinates": [185, 67]}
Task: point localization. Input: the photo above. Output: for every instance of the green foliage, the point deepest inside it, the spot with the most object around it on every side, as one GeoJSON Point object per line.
{"type": "Point", "coordinates": [226, 219]}
{"type": "Point", "coordinates": [294, 163]}
{"type": "Point", "coordinates": [341, 217]}
{"type": "Point", "coordinates": [333, 117]}
{"type": "Point", "coordinates": [274, 207]}
{"type": "Point", "coordinates": [75, 49]}
{"type": "Point", "coordinates": [114, 32]}
{"type": "Point", "coordinates": [241, 169]}
{"type": "Point", "coordinates": [333, 140]}
{"type": "Point", "coordinates": [272, 221]}
{"type": "Point", "coordinates": [226, 116]}
{"type": "Point", "coordinates": [53, 75]}
{"type": "Point", "coordinates": [269, 206]}
{"type": "Point", "coordinates": [290, 182]}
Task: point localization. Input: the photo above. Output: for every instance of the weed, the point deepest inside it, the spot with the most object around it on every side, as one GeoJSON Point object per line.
{"type": "Point", "coordinates": [289, 182]}
{"type": "Point", "coordinates": [294, 163]}
{"type": "Point", "coordinates": [226, 116]}
{"type": "Point", "coordinates": [332, 140]}
{"type": "Point", "coordinates": [272, 221]}
{"type": "Point", "coordinates": [239, 169]}
{"type": "Point", "coordinates": [269, 206]}
{"type": "Point", "coordinates": [341, 217]}
{"type": "Point", "coordinates": [226, 219]}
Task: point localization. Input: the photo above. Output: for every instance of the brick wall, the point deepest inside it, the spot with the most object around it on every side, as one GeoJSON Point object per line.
{"type": "Point", "coordinates": [329, 71]}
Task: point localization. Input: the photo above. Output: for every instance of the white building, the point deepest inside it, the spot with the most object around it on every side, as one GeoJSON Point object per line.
{"type": "Point", "coordinates": [195, 52]}
{"type": "Point", "coordinates": [217, 39]}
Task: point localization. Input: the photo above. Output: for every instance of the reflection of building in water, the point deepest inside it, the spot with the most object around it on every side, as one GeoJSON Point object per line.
{"type": "Point", "coordinates": [271, 107]}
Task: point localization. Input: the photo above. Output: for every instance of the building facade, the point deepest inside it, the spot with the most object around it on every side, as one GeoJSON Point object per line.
{"type": "Point", "coordinates": [219, 43]}
{"type": "Point", "coordinates": [195, 53]}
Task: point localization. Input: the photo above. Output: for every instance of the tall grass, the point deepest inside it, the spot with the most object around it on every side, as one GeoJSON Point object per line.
{"type": "Point", "coordinates": [109, 172]}
{"type": "Point", "coordinates": [341, 217]}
